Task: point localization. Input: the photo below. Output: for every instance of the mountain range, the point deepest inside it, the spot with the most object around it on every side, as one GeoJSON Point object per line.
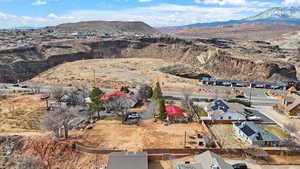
{"type": "Point", "coordinates": [276, 15]}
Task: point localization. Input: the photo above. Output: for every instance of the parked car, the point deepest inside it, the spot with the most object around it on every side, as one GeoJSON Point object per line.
{"type": "Point", "coordinates": [134, 116]}
{"type": "Point", "coordinates": [253, 118]}
{"type": "Point", "coordinates": [240, 96]}
{"type": "Point", "coordinates": [15, 85]}
{"type": "Point", "coordinates": [240, 166]}
{"type": "Point", "coordinates": [24, 86]}
{"type": "Point", "coordinates": [44, 97]}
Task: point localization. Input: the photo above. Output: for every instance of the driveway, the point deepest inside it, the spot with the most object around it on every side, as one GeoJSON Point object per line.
{"type": "Point", "coordinates": [262, 116]}
{"type": "Point", "coordinates": [280, 119]}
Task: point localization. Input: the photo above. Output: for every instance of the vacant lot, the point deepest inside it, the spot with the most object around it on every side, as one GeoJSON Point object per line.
{"type": "Point", "coordinates": [225, 135]}
{"type": "Point", "coordinates": [20, 112]}
{"type": "Point", "coordinates": [113, 73]}
{"type": "Point", "coordinates": [109, 134]}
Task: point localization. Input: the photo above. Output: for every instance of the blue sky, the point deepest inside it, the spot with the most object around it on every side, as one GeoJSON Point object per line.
{"type": "Point", "coordinates": [14, 13]}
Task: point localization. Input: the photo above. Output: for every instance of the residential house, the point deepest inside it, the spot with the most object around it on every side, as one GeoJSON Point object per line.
{"type": "Point", "coordinates": [254, 134]}
{"type": "Point", "coordinates": [220, 82]}
{"type": "Point", "coordinates": [174, 113]}
{"type": "Point", "coordinates": [222, 110]}
{"type": "Point", "coordinates": [238, 83]}
{"type": "Point", "coordinates": [292, 90]}
{"type": "Point", "coordinates": [206, 160]}
{"type": "Point", "coordinates": [291, 105]}
{"type": "Point", "coordinates": [258, 85]}
{"type": "Point", "coordinates": [128, 160]}
{"type": "Point", "coordinates": [208, 81]}
{"type": "Point", "coordinates": [275, 85]}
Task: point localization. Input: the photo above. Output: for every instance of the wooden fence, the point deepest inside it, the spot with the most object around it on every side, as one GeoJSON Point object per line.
{"type": "Point", "coordinates": [87, 149]}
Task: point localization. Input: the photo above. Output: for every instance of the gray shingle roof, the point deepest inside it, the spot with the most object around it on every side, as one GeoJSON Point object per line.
{"type": "Point", "coordinates": [205, 161]}
{"type": "Point", "coordinates": [128, 160]}
{"type": "Point", "coordinates": [255, 132]}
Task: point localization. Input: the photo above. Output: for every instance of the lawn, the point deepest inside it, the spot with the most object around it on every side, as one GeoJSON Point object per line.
{"type": "Point", "coordinates": [277, 131]}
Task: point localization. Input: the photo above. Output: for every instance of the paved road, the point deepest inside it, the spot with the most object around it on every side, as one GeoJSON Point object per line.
{"type": "Point", "coordinates": [257, 95]}
{"type": "Point", "coordinates": [255, 100]}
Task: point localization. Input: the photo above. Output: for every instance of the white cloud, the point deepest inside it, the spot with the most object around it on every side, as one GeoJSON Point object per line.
{"type": "Point", "coordinates": [226, 2]}
{"type": "Point", "coordinates": [39, 2]}
{"type": "Point", "coordinates": [263, 4]}
{"type": "Point", "coordinates": [4, 16]}
{"type": "Point", "coordinates": [145, 0]}
{"type": "Point", "coordinates": [291, 2]}
{"type": "Point", "coordinates": [160, 15]}
{"type": "Point", "coordinates": [197, 1]}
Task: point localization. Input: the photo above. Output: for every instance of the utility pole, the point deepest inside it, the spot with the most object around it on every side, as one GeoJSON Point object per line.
{"type": "Point", "coordinates": [94, 71]}
{"type": "Point", "coordinates": [250, 97]}
{"type": "Point", "coordinates": [185, 139]}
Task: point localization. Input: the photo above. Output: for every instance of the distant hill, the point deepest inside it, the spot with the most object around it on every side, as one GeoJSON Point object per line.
{"type": "Point", "coordinates": [106, 27]}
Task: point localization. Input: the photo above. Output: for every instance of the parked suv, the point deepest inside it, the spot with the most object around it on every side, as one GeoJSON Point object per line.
{"type": "Point", "coordinates": [240, 166]}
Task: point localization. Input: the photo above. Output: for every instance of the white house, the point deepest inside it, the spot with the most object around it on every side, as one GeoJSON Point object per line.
{"type": "Point", "coordinates": [253, 134]}
{"type": "Point", "coordinates": [221, 110]}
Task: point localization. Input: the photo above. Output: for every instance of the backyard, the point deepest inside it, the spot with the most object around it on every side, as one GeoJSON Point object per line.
{"type": "Point", "coordinates": [111, 134]}
{"type": "Point", "coordinates": [20, 112]}
{"type": "Point", "coordinates": [225, 135]}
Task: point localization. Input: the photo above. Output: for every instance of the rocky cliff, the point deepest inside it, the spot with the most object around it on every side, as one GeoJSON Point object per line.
{"type": "Point", "coordinates": [224, 59]}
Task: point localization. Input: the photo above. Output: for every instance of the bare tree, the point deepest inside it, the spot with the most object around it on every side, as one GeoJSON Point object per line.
{"type": "Point", "coordinates": [187, 101]}
{"type": "Point", "coordinates": [290, 144]}
{"type": "Point", "coordinates": [144, 92]}
{"type": "Point", "coordinates": [188, 104]}
{"type": "Point", "coordinates": [57, 120]}
{"type": "Point", "coordinates": [150, 109]}
{"type": "Point", "coordinates": [291, 127]}
{"type": "Point", "coordinates": [35, 88]}
{"type": "Point", "coordinates": [57, 93]}
{"type": "Point", "coordinates": [76, 96]}
{"type": "Point", "coordinates": [120, 105]}
{"type": "Point", "coordinates": [29, 163]}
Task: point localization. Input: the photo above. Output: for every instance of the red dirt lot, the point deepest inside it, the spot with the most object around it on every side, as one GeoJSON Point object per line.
{"type": "Point", "coordinates": [111, 134]}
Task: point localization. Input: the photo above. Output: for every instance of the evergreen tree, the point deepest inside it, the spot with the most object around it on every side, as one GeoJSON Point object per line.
{"type": "Point", "coordinates": [158, 97]}
{"type": "Point", "coordinates": [96, 104]}
{"type": "Point", "coordinates": [157, 93]}
{"type": "Point", "coordinates": [162, 109]}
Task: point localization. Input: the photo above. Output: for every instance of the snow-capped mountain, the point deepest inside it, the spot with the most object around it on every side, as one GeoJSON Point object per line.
{"type": "Point", "coordinates": [274, 16]}
{"type": "Point", "coordinates": [277, 13]}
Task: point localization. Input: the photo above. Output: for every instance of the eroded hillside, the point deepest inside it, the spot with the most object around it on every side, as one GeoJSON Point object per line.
{"type": "Point", "coordinates": [221, 58]}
